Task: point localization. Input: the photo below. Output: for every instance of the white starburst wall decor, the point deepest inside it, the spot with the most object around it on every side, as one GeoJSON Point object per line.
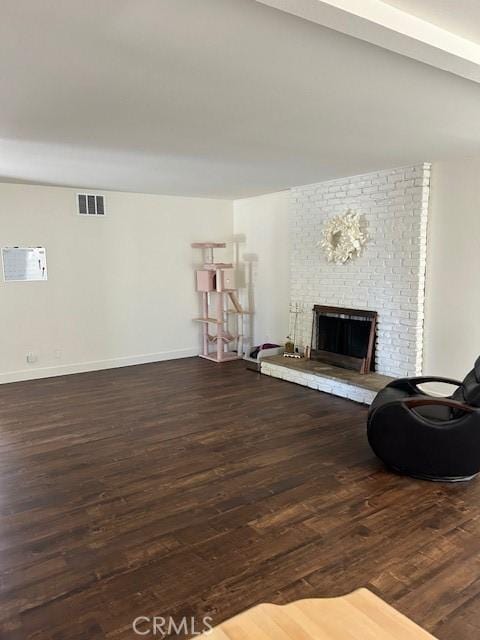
{"type": "Point", "coordinates": [342, 237]}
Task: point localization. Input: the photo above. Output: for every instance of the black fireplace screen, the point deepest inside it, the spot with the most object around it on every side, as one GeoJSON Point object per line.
{"type": "Point", "coordinates": [345, 336]}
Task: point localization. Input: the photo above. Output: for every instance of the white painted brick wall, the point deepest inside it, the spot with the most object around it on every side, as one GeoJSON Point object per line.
{"type": "Point", "coordinates": [389, 276]}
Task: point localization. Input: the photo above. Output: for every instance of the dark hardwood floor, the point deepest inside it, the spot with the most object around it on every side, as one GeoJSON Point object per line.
{"type": "Point", "coordinates": [186, 487]}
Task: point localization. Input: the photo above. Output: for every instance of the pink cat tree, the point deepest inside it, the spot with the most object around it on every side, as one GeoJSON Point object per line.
{"type": "Point", "coordinates": [216, 283]}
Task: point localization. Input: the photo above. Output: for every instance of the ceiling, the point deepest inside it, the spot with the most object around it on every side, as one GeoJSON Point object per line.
{"type": "Point", "coordinates": [218, 98]}
{"type": "Point", "coordinates": [457, 16]}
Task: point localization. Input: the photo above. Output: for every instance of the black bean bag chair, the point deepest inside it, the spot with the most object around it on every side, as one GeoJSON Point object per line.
{"type": "Point", "coordinates": [424, 436]}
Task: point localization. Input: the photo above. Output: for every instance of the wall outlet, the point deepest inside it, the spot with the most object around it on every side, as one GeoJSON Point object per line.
{"type": "Point", "coordinates": [31, 357]}
{"type": "Point", "coordinates": [58, 354]}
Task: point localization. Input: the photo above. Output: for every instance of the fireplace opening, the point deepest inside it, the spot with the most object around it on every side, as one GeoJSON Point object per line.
{"type": "Point", "coordinates": [344, 337]}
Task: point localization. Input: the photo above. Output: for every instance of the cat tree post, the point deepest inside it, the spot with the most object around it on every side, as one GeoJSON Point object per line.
{"type": "Point", "coordinates": [205, 326]}
{"type": "Point", "coordinates": [220, 317]}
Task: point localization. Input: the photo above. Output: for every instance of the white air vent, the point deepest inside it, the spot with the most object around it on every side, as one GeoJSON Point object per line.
{"type": "Point", "coordinates": [89, 204]}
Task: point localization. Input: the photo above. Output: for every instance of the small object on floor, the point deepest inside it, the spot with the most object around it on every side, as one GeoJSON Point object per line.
{"type": "Point", "coordinates": [257, 354]}
{"type": "Point", "coordinates": [356, 616]}
{"type": "Point", "coordinates": [266, 346]}
{"type": "Point", "coordinates": [292, 355]}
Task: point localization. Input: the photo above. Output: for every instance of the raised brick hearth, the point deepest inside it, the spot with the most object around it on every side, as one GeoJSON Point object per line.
{"type": "Point", "coordinates": [324, 377]}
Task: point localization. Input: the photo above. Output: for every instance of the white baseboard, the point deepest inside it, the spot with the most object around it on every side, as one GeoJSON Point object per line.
{"type": "Point", "coordinates": [95, 365]}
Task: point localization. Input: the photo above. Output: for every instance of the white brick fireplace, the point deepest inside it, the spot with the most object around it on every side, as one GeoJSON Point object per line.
{"type": "Point", "coordinates": [388, 276]}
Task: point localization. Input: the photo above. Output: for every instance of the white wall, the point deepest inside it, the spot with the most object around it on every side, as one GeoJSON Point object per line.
{"type": "Point", "coordinates": [101, 309]}
{"type": "Point", "coordinates": [452, 313]}
{"type": "Point", "coordinates": [263, 221]}
{"type": "Point", "coordinates": [120, 290]}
